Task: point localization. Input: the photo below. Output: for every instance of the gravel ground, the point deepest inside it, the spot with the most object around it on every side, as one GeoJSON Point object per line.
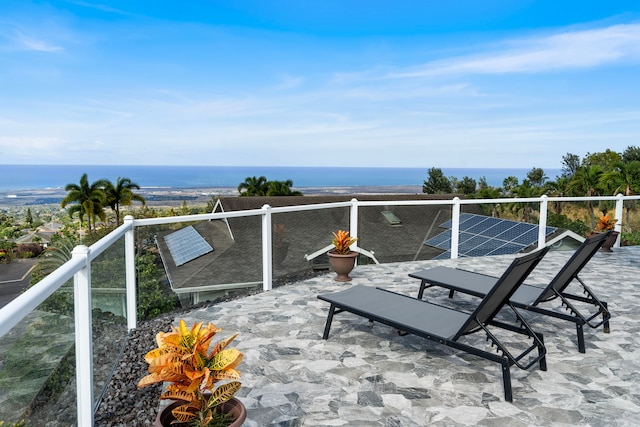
{"type": "Point", "coordinates": [123, 404]}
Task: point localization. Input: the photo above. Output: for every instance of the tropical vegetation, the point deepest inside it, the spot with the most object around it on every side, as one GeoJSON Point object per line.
{"type": "Point", "coordinates": [342, 242]}
{"type": "Point", "coordinates": [186, 359]}
{"type": "Point", "coordinates": [595, 174]}
{"type": "Point", "coordinates": [260, 186]}
{"type": "Point", "coordinates": [90, 199]}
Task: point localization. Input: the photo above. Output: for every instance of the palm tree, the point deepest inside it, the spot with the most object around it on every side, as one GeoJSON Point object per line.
{"type": "Point", "coordinates": [282, 188]}
{"type": "Point", "coordinates": [525, 191]}
{"type": "Point", "coordinates": [558, 188]}
{"type": "Point", "coordinates": [625, 178]}
{"type": "Point", "coordinates": [586, 182]}
{"type": "Point", "coordinates": [86, 200]}
{"type": "Point", "coordinates": [121, 194]}
{"type": "Point", "coordinates": [509, 184]}
{"type": "Point", "coordinates": [253, 186]}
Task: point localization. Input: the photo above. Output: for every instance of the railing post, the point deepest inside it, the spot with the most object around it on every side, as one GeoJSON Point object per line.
{"type": "Point", "coordinates": [267, 262]}
{"type": "Point", "coordinates": [130, 273]}
{"type": "Point", "coordinates": [84, 344]}
{"type": "Point", "coordinates": [455, 227]}
{"type": "Point", "coordinates": [619, 212]}
{"type": "Point", "coordinates": [353, 220]}
{"type": "Point", "coordinates": [542, 225]}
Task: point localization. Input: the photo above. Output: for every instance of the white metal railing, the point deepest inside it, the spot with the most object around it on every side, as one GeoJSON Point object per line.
{"type": "Point", "coordinates": [79, 268]}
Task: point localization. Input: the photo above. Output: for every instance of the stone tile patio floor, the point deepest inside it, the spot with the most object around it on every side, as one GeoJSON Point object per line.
{"type": "Point", "coordinates": [367, 375]}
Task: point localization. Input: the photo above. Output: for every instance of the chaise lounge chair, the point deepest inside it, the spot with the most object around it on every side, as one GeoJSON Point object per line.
{"type": "Point", "coordinates": [530, 297]}
{"type": "Point", "coordinates": [446, 325]}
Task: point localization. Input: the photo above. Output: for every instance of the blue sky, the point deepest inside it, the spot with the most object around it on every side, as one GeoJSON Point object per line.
{"type": "Point", "coordinates": [317, 83]}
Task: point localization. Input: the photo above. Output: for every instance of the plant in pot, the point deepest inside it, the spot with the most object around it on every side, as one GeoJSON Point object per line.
{"type": "Point", "coordinates": [341, 258]}
{"type": "Point", "coordinates": [605, 224]}
{"type": "Point", "coordinates": [193, 367]}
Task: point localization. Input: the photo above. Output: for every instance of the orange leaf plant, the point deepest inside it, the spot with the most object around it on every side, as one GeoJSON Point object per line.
{"type": "Point", "coordinates": [342, 241]}
{"type": "Point", "coordinates": [184, 360]}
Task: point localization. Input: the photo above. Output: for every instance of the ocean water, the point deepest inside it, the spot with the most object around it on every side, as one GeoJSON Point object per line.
{"type": "Point", "coordinates": [30, 177]}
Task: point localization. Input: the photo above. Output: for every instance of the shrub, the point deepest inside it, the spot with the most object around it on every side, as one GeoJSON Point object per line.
{"type": "Point", "coordinates": [562, 221]}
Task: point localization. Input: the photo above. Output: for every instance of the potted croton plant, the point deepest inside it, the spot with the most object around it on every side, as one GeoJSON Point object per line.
{"type": "Point", "coordinates": [341, 258]}
{"type": "Point", "coordinates": [605, 224]}
{"type": "Point", "coordinates": [193, 367]}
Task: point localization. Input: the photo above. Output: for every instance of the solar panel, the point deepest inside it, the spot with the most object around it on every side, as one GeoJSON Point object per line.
{"type": "Point", "coordinates": [514, 231]}
{"type": "Point", "coordinates": [463, 218]}
{"type": "Point", "coordinates": [483, 225]}
{"type": "Point", "coordinates": [186, 244]}
{"type": "Point", "coordinates": [471, 222]}
{"type": "Point", "coordinates": [440, 239]}
{"type": "Point", "coordinates": [498, 228]}
{"type": "Point", "coordinates": [481, 235]}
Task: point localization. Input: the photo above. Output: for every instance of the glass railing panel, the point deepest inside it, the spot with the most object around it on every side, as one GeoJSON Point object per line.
{"type": "Point", "coordinates": [630, 225]}
{"type": "Point", "coordinates": [202, 260]}
{"type": "Point", "coordinates": [108, 303]}
{"type": "Point", "coordinates": [154, 295]}
{"type": "Point", "coordinates": [398, 233]}
{"type": "Point", "coordinates": [575, 216]}
{"type": "Point", "coordinates": [296, 235]}
{"type": "Point", "coordinates": [37, 365]}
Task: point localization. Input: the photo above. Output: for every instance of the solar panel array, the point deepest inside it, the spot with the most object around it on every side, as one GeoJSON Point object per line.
{"type": "Point", "coordinates": [186, 244]}
{"type": "Point", "coordinates": [484, 235]}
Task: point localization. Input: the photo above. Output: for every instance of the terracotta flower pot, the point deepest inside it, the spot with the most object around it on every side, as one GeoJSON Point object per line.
{"type": "Point", "coordinates": [233, 406]}
{"type": "Point", "coordinates": [342, 264]}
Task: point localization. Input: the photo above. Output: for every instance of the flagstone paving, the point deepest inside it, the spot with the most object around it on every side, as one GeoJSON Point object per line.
{"type": "Point", "coordinates": [369, 375]}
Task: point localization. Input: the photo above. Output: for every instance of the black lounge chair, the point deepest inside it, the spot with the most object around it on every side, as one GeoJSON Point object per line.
{"type": "Point", "coordinates": [446, 325]}
{"type": "Point", "coordinates": [530, 297]}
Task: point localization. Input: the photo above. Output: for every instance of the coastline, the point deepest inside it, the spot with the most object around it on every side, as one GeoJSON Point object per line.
{"type": "Point", "coordinates": [175, 196]}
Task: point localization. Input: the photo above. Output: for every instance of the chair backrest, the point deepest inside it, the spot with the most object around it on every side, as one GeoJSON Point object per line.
{"type": "Point", "coordinates": [502, 291]}
{"type": "Point", "coordinates": [576, 263]}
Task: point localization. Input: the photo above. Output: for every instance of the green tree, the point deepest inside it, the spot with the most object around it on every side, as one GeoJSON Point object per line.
{"type": "Point", "coordinates": [85, 200]}
{"type": "Point", "coordinates": [525, 190]}
{"type": "Point", "coordinates": [437, 183]}
{"type": "Point", "coordinates": [509, 185]}
{"type": "Point", "coordinates": [466, 185]}
{"type": "Point", "coordinates": [281, 188]}
{"type": "Point", "coordinates": [253, 186]}
{"type": "Point", "coordinates": [631, 153]}
{"type": "Point", "coordinates": [121, 194]}
{"type": "Point", "coordinates": [586, 182]}
{"type": "Point", "coordinates": [625, 179]}
{"type": "Point", "coordinates": [605, 159]}
{"type": "Point", "coordinates": [537, 177]}
{"type": "Point", "coordinates": [570, 164]}
{"type": "Point", "coordinates": [558, 188]}
{"type": "Point", "coordinates": [29, 218]}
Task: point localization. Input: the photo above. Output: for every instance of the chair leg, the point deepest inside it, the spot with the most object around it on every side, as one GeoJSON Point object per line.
{"type": "Point", "coordinates": [422, 287]}
{"type": "Point", "coordinates": [579, 330]}
{"type": "Point", "coordinates": [506, 381]}
{"type": "Point", "coordinates": [327, 326]}
{"type": "Point", "coordinates": [604, 316]}
{"type": "Point", "coordinates": [541, 350]}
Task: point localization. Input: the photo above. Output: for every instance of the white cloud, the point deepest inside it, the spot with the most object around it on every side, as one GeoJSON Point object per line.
{"type": "Point", "coordinates": [101, 7]}
{"type": "Point", "coordinates": [566, 50]}
{"type": "Point", "coordinates": [31, 43]}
